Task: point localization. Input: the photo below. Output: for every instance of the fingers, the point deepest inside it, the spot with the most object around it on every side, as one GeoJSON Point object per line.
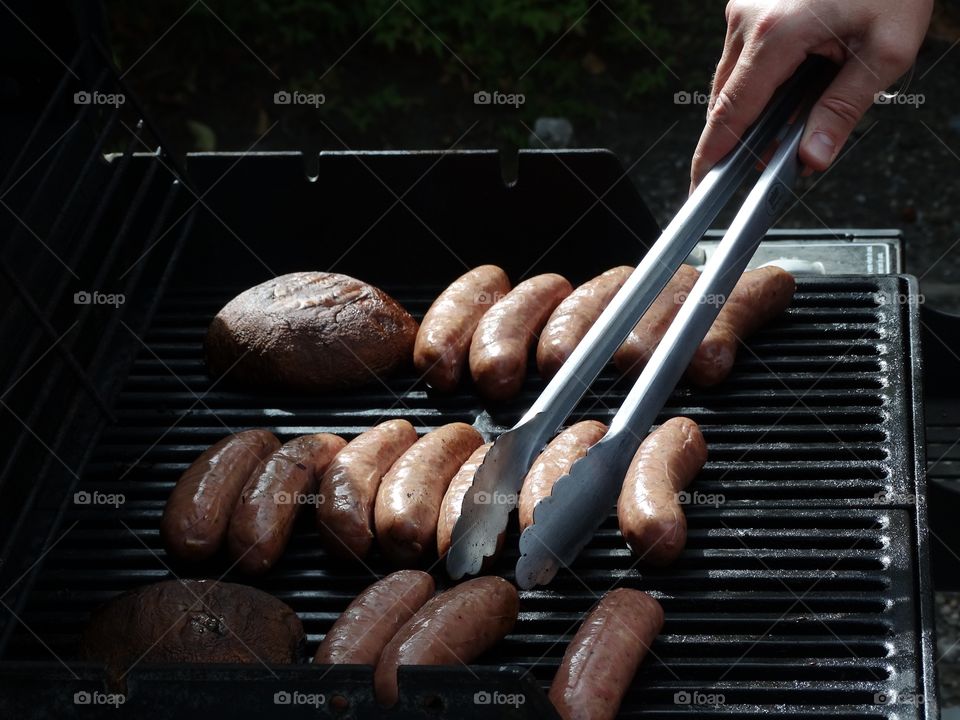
{"type": "Point", "coordinates": [732, 47]}
{"type": "Point", "coordinates": [761, 68]}
{"type": "Point", "coordinates": [842, 105]}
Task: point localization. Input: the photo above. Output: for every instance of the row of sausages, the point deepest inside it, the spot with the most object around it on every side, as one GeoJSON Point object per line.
{"type": "Point", "coordinates": [399, 621]}
{"type": "Point", "coordinates": [246, 490]}
{"type": "Point", "coordinates": [481, 322]}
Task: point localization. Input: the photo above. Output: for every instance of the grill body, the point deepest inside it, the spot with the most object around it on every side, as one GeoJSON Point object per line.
{"type": "Point", "coordinates": [804, 591]}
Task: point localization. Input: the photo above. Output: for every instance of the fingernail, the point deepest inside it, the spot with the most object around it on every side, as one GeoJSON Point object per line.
{"type": "Point", "coordinates": [821, 147]}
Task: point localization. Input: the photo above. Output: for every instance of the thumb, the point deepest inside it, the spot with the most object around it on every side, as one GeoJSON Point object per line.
{"type": "Point", "coordinates": [837, 112]}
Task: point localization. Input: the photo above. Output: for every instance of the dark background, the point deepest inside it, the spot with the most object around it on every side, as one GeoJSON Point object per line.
{"type": "Point", "coordinates": [402, 74]}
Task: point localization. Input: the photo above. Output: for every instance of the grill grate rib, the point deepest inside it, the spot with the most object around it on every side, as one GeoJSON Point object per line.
{"type": "Point", "coordinates": [805, 606]}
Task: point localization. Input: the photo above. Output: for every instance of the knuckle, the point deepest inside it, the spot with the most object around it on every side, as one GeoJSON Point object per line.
{"type": "Point", "coordinates": [723, 109]}
{"type": "Point", "coordinates": [766, 23]}
{"type": "Point", "coordinates": [893, 56]}
{"type": "Point", "coordinates": [733, 12]}
{"type": "Point", "coordinates": [842, 108]}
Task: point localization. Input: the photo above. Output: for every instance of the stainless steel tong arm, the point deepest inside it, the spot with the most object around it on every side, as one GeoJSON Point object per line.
{"type": "Point", "coordinates": [505, 465]}
{"type": "Point", "coordinates": [566, 520]}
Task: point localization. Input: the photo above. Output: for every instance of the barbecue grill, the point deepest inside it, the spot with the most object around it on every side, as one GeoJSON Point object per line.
{"type": "Point", "coordinates": [805, 587]}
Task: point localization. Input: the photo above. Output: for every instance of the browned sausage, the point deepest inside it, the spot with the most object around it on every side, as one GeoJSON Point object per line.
{"type": "Point", "coordinates": [501, 343]}
{"type": "Point", "coordinates": [604, 655]}
{"type": "Point", "coordinates": [555, 462]}
{"type": "Point", "coordinates": [575, 316]}
{"type": "Point", "coordinates": [198, 511]}
{"type": "Point", "coordinates": [262, 521]}
{"type": "Point", "coordinates": [444, 337]}
{"type": "Point", "coordinates": [647, 334]}
{"type": "Point", "coordinates": [375, 615]}
{"type": "Point", "coordinates": [452, 628]}
{"type": "Point", "coordinates": [651, 518]}
{"type": "Point", "coordinates": [408, 503]}
{"type": "Point", "coordinates": [453, 499]}
{"type": "Point", "coordinates": [348, 489]}
{"type": "Point", "coordinates": [759, 296]}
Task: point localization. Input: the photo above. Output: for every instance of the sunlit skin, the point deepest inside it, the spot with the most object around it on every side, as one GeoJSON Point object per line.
{"type": "Point", "coordinates": [874, 41]}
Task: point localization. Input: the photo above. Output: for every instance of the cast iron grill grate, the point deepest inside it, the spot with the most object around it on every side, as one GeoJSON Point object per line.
{"type": "Point", "coordinates": [796, 595]}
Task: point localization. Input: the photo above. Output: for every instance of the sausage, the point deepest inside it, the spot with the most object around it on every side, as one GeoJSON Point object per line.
{"type": "Point", "coordinates": [198, 510]}
{"type": "Point", "coordinates": [604, 655]}
{"type": "Point", "coordinates": [575, 316]}
{"type": "Point", "coordinates": [501, 343]}
{"type": "Point", "coordinates": [375, 615]}
{"type": "Point", "coordinates": [408, 504]}
{"type": "Point", "coordinates": [452, 628]}
{"type": "Point", "coordinates": [443, 341]}
{"type": "Point", "coordinates": [262, 522]}
{"type": "Point", "coordinates": [647, 334]}
{"type": "Point", "coordinates": [348, 489]}
{"type": "Point", "coordinates": [651, 517]}
{"type": "Point", "coordinates": [453, 498]}
{"type": "Point", "coordinates": [555, 462]}
{"type": "Point", "coordinates": [758, 297]}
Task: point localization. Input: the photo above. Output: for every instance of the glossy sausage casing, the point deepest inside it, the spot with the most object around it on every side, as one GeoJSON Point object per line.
{"type": "Point", "coordinates": [349, 487]}
{"type": "Point", "coordinates": [651, 516]}
{"type": "Point", "coordinates": [501, 343]}
{"type": "Point", "coordinates": [452, 628]}
{"type": "Point", "coordinates": [444, 338]}
{"type": "Point", "coordinates": [198, 510]}
{"type": "Point", "coordinates": [604, 655]}
{"type": "Point", "coordinates": [636, 350]}
{"type": "Point", "coordinates": [408, 502]}
{"type": "Point", "coordinates": [760, 295]}
{"type": "Point", "coordinates": [555, 462]}
{"type": "Point", "coordinates": [453, 499]}
{"type": "Point", "coordinates": [262, 521]}
{"type": "Point", "coordinates": [373, 618]}
{"type": "Point", "coordinates": [575, 316]}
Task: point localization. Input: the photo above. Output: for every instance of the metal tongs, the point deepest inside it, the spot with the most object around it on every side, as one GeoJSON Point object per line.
{"type": "Point", "coordinates": [566, 521]}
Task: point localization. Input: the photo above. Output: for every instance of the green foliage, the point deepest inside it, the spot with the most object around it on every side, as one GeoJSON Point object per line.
{"type": "Point", "coordinates": [377, 58]}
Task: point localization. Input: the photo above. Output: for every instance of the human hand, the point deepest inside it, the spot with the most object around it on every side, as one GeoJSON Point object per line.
{"type": "Point", "coordinates": [874, 41]}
